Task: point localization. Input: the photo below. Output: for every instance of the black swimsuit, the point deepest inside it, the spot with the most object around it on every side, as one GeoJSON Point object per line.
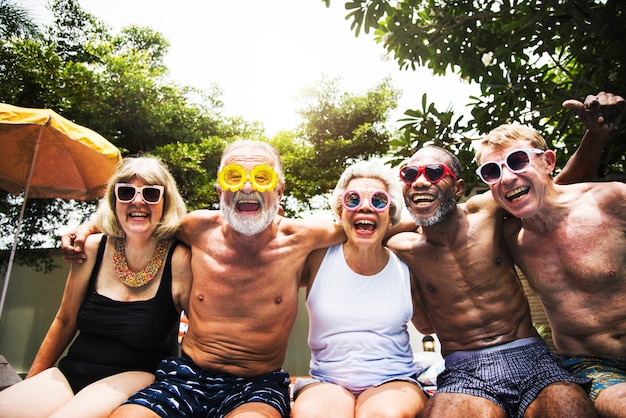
{"type": "Point", "coordinates": [121, 336]}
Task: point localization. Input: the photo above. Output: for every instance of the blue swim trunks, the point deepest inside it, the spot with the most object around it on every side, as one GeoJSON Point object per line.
{"type": "Point", "coordinates": [605, 371]}
{"type": "Point", "coordinates": [181, 388]}
{"type": "Point", "coordinates": [510, 375]}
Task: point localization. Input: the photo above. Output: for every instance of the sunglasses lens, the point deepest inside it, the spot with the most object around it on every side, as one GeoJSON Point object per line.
{"type": "Point", "coordinates": [379, 201]}
{"type": "Point", "coordinates": [409, 174]}
{"type": "Point", "coordinates": [126, 193]}
{"type": "Point", "coordinates": [232, 176]}
{"type": "Point", "coordinates": [490, 172]}
{"type": "Point", "coordinates": [151, 194]}
{"type": "Point", "coordinates": [351, 200]}
{"type": "Point", "coordinates": [518, 160]}
{"type": "Point", "coordinates": [434, 172]}
{"type": "Point", "coordinates": [263, 177]}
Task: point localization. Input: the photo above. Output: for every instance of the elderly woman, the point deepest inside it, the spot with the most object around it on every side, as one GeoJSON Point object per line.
{"type": "Point", "coordinates": [359, 303]}
{"type": "Point", "coordinates": [124, 302]}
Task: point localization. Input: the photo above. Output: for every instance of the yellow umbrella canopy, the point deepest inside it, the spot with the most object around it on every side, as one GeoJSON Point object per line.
{"type": "Point", "coordinates": [67, 160]}
{"type": "Point", "coordinates": [47, 156]}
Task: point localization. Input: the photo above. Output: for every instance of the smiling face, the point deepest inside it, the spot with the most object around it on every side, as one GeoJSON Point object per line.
{"type": "Point", "coordinates": [247, 210]}
{"type": "Point", "coordinates": [138, 216]}
{"type": "Point", "coordinates": [366, 225]}
{"type": "Point", "coordinates": [520, 194]}
{"type": "Point", "coordinates": [429, 203]}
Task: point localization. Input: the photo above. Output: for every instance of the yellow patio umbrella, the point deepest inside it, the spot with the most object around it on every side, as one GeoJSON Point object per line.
{"type": "Point", "coordinates": [45, 155]}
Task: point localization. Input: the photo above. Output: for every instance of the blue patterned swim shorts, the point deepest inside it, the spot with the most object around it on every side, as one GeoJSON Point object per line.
{"type": "Point", "coordinates": [181, 388]}
{"type": "Point", "coordinates": [605, 371]}
{"type": "Point", "coordinates": [510, 375]}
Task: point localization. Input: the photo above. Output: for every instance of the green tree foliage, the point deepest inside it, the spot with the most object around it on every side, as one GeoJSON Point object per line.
{"type": "Point", "coordinates": [527, 56]}
{"type": "Point", "coordinates": [15, 21]}
{"type": "Point", "coordinates": [118, 86]}
{"type": "Point", "coordinates": [339, 128]}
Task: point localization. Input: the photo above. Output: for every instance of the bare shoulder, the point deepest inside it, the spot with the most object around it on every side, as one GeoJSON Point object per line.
{"type": "Point", "coordinates": [82, 271]}
{"type": "Point", "coordinates": [404, 241]}
{"type": "Point", "coordinates": [483, 202]}
{"type": "Point", "coordinates": [196, 222]}
{"type": "Point", "coordinates": [201, 216]}
{"type": "Point", "coordinates": [92, 243]}
{"type": "Point", "coordinates": [318, 232]}
{"type": "Point", "coordinates": [611, 196]}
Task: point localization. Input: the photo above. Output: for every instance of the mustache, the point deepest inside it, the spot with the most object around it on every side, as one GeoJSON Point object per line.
{"type": "Point", "coordinates": [242, 196]}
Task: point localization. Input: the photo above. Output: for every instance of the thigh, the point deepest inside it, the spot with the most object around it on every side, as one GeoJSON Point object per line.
{"type": "Point", "coordinates": [254, 410]}
{"type": "Point", "coordinates": [461, 405]}
{"type": "Point", "coordinates": [397, 399]}
{"type": "Point", "coordinates": [611, 402]}
{"type": "Point", "coordinates": [40, 395]}
{"type": "Point", "coordinates": [103, 396]}
{"type": "Point", "coordinates": [323, 400]}
{"type": "Point", "coordinates": [561, 399]}
{"type": "Point", "coordinates": [133, 411]}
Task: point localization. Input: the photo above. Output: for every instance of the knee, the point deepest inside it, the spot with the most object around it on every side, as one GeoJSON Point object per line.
{"type": "Point", "coordinates": [611, 402]}
{"type": "Point", "coordinates": [388, 411]}
{"type": "Point", "coordinates": [304, 409]}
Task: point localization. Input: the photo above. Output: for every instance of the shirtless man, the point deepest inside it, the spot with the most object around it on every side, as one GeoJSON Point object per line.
{"type": "Point", "coordinates": [496, 364]}
{"type": "Point", "coordinates": [246, 262]}
{"type": "Point", "coordinates": [570, 242]}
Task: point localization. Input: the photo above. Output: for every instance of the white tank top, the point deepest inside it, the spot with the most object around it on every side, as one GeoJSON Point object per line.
{"type": "Point", "coordinates": [358, 324]}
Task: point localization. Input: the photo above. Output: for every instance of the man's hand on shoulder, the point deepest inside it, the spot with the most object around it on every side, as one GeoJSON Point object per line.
{"type": "Point", "coordinates": [600, 112]}
{"type": "Point", "coordinates": [73, 243]}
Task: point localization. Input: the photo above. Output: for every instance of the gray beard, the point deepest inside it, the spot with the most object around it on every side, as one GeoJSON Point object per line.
{"type": "Point", "coordinates": [249, 224]}
{"type": "Point", "coordinates": [448, 204]}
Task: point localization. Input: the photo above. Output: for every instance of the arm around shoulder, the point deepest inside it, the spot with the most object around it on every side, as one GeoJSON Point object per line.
{"type": "Point", "coordinates": [73, 243]}
{"type": "Point", "coordinates": [196, 221]}
{"type": "Point", "coordinates": [321, 233]}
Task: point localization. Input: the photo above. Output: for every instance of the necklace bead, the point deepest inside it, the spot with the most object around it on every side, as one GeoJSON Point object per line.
{"type": "Point", "coordinates": [143, 277]}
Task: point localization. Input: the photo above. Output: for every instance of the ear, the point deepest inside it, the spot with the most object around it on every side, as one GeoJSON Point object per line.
{"type": "Point", "coordinates": [280, 190]}
{"type": "Point", "coordinates": [550, 159]}
{"type": "Point", "coordinates": [459, 187]}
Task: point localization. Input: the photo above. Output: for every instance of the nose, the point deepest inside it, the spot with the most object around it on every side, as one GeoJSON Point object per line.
{"type": "Point", "coordinates": [247, 186]}
{"type": "Point", "coordinates": [506, 173]}
{"type": "Point", "coordinates": [365, 204]}
{"type": "Point", "coordinates": [420, 181]}
{"type": "Point", "coordinates": [138, 197]}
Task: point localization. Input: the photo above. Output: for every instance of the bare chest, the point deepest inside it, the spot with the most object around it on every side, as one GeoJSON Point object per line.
{"type": "Point", "coordinates": [472, 265]}
{"type": "Point", "coordinates": [584, 254]}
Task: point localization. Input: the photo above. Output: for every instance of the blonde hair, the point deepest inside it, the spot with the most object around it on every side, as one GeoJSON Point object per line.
{"type": "Point", "coordinates": [504, 135]}
{"type": "Point", "coordinates": [152, 171]}
{"type": "Point", "coordinates": [376, 170]}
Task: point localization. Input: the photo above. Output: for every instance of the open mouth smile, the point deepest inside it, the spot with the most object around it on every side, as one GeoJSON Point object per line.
{"type": "Point", "coordinates": [422, 199]}
{"type": "Point", "coordinates": [517, 194]}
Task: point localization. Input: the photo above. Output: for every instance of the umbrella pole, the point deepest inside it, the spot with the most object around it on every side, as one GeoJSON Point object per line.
{"type": "Point", "coordinates": [5, 286]}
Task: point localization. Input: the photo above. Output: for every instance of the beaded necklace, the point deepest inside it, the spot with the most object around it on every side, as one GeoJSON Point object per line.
{"type": "Point", "coordinates": [129, 277]}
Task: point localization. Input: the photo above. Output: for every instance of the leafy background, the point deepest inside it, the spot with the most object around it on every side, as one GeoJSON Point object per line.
{"type": "Point", "coordinates": [528, 57]}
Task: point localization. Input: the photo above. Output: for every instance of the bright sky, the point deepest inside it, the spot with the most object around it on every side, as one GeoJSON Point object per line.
{"type": "Point", "coordinates": [263, 53]}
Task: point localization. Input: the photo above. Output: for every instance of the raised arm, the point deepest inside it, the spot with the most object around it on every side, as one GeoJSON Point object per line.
{"type": "Point", "coordinates": [601, 114]}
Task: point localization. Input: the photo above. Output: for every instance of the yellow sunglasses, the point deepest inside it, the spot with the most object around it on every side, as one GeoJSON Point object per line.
{"type": "Point", "coordinates": [233, 177]}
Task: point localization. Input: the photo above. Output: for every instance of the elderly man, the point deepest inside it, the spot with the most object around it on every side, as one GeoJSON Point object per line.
{"type": "Point", "coordinates": [570, 242]}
